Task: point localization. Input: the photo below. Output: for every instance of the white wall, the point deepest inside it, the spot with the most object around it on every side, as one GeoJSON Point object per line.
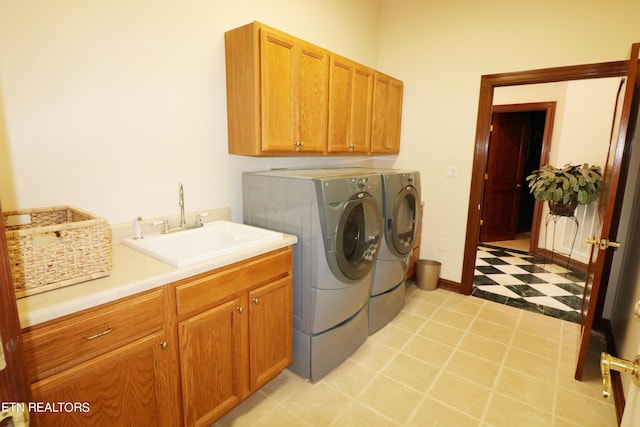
{"type": "Point", "coordinates": [441, 49]}
{"type": "Point", "coordinates": [108, 105]}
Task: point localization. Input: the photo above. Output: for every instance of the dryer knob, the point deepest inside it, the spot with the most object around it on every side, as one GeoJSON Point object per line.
{"type": "Point", "coordinates": [362, 182]}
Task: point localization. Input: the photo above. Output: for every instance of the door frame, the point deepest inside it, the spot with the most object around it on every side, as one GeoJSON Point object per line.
{"type": "Point", "coordinates": [483, 126]}
{"type": "Point", "coordinates": [14, 384]}
{"type": "Point", "coordinates": [549, 109]}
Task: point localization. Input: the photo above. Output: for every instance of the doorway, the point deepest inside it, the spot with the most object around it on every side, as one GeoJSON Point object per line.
{"type": "Point", "coordinates": [472, 264]}
{"type": "Point", "coordinates": [508, 271]}
{"type": "Point", "coordinates": [485, 108]}
{"type": "Point", "coordinates": [520, 139]}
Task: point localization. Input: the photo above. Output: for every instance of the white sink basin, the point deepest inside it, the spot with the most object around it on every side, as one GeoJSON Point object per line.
{"type": "Point", "coordinates": [214, 239]}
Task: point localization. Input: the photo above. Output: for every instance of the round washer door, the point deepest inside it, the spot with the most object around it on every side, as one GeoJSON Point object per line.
{"type": "Point", "coordinates": [405, 220]}
{"type": "Point", "coordinates": [358, 236]}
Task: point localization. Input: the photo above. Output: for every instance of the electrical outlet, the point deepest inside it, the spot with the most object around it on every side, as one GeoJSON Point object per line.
{"type": "Point", "coordinates": [442, 245]}
{"type": "Point", "coordinates": [451, 171]}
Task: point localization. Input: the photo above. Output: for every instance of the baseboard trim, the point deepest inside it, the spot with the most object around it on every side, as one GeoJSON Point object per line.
{"type": "Point", "coordinates": [450, 285]}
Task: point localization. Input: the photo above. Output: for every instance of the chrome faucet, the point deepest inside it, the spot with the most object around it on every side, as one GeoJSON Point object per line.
{"type": "Point", "coordinates": [183, 222]}
{"type": "Point", "coordinates": [166, 228]}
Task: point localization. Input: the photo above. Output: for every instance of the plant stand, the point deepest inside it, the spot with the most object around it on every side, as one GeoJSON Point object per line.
{"type": "Point", "coordinates": [553, 219]}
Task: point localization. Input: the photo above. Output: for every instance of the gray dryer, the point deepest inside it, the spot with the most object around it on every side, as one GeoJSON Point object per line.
{"type": "Point", "coordinates": [401, 216]}
{"type": "Point", "coordinates": [336, 215]}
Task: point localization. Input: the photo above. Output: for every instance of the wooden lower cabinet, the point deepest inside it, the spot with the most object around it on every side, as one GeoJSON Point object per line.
{"type": "Point", "coordinates": [270, 321]}
{"type": "Point", "coordinates": [235, 347]}
{"type": "Point", "coordinates": [182, 354]}
{"type": "Point", "coordinates": [125, 387]}
{"type": "Point", "coordinates": [211, 363]}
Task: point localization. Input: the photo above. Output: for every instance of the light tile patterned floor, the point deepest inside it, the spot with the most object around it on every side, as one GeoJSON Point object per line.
{"type": "Point", "coordinates": [445, 360]}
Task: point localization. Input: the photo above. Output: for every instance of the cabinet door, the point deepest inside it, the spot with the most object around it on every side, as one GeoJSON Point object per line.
{"type": "Point", "coordinates": [350, 95]}
{"type": "Point", "coordinates": [211, 362]}
{"type": "Point", "coordinates": [294, 85]}
{"type": "Point", "coordinates": [361, 109]}
{"type": "Point", "coordinates": [387, 114]}
{"type": "Point", "coordinates": [313, 88]}
{"type": "Point", "coordinates": [278, 91]}
{"type": "Point", "coordinates": [123, 387]}
{"type": "Point", "coordinates": [340, 93]}
{"type": "Point", "coordinates": [270, 330]}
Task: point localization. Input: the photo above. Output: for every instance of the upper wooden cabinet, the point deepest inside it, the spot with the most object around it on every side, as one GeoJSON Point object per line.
{"type": "Point", "coordinates": [288, 97]}
{"type": "Point", "coordinates": [387, 114]}
{"type": "Point", "coordinates": [277, 88]}
{"type": "Point", "coordinates": [350, 97]}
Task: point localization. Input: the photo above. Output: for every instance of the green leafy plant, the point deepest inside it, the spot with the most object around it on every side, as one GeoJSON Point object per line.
{"type": "Point", "coordinates": [578, 182]}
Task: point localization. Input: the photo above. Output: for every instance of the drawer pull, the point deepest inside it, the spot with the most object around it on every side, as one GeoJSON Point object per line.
{"type": "Point", "coordinates": [98, 335]}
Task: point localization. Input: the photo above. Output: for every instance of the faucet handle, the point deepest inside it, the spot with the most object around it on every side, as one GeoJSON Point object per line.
{"type": "Point", "coordinates": [199, 218]}
{"type": "Point", "coordinates": [165, 225]}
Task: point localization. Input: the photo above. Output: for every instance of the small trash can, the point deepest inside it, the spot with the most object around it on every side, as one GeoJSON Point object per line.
{"type": "Point", "coordinates": [428, 273]}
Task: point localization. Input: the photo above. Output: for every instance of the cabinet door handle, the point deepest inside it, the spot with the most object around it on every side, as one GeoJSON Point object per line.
{"type": "Point", "coordinates": [255, 300]}
{"type": "Point", "coordinates": [98, 335]}
{"type": "Point", "coordinates": [163, 345]}
{"type": "Point", "coordinates": [240, 309]}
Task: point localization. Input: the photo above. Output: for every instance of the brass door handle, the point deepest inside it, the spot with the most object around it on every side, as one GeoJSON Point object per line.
{"type": "Point", "coordinates": [608, 362]}
{"type": "Point", "coordinates": [603, 243]}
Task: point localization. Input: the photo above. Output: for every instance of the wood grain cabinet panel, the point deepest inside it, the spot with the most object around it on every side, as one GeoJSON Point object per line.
{"type": "Point", "coordinates": [235, 329]}
{"type": "Point", "coordinates": [277, 89]}
{"type": "Point", "coordinates": [270, 331]}
{"type": "Point", "coordinates": [289, 97]}
{"type": "Point", "coordinates": [61, 343]}
{"type": "Point", "coordinates": [182, 354]}
{"type": "Point", "coordinates": [387, 114]}
{"type": "Point", "coordinates": [114, 362]}
{"type": "Point", "coordinates": [123, 388]}
{"type": "Point", "coordinates": [350, 106]}
{"type": "Point", "coordinates": [211, 363]}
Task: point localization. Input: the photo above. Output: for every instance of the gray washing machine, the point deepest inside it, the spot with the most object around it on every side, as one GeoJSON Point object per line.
{"type": "Point", "coordinates": [336, 215]}
{"type": "Point", "coordinates": [401, 216]}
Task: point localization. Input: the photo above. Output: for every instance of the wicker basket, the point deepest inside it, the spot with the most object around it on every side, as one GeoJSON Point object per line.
{"type": "Point", "coordinates": [58, 246]}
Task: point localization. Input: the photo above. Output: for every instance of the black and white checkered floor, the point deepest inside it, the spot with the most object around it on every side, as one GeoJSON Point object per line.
{"type": "Point", "coordinates": [518, 279]}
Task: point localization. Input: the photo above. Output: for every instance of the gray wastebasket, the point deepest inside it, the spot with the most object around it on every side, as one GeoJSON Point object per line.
{"type": "Point", "coordinates": [428, 273]}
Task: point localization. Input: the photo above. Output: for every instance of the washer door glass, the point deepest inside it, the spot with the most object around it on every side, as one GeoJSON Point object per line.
{"type": "Point", "coordinates": [405, 220]}
{"type": "Point", "coordinates": [358, 236]}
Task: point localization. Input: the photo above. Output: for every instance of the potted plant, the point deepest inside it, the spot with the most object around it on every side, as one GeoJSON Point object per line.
{"type": "Point", "coordinates": [567, 187]}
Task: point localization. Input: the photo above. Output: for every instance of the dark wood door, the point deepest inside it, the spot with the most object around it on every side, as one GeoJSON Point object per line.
{"type": "Point", "coordinates": [610, 205]}
{"type": "Point", "coordinates": [14, 387]}
{"type": "Point", "coordinates": [504, 179]}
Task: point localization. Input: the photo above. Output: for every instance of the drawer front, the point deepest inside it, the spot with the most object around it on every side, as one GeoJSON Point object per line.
{"type": "Point", "coordinates": [216, 286]}
{"type": "Point", "coordinates": [62, 343]}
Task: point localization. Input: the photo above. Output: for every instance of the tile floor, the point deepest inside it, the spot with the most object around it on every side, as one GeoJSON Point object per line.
{"type": "Point", "coordinates": [517, 279]}
{"type": "Point", "coordinates": [445, 360]}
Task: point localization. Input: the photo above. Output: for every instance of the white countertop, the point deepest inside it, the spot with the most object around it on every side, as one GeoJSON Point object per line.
{"type": "Point", "coordinates": [133, 272]}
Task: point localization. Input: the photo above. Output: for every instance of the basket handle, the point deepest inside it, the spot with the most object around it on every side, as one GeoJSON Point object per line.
{"type": "Point", "coordinates": [12, 220]}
